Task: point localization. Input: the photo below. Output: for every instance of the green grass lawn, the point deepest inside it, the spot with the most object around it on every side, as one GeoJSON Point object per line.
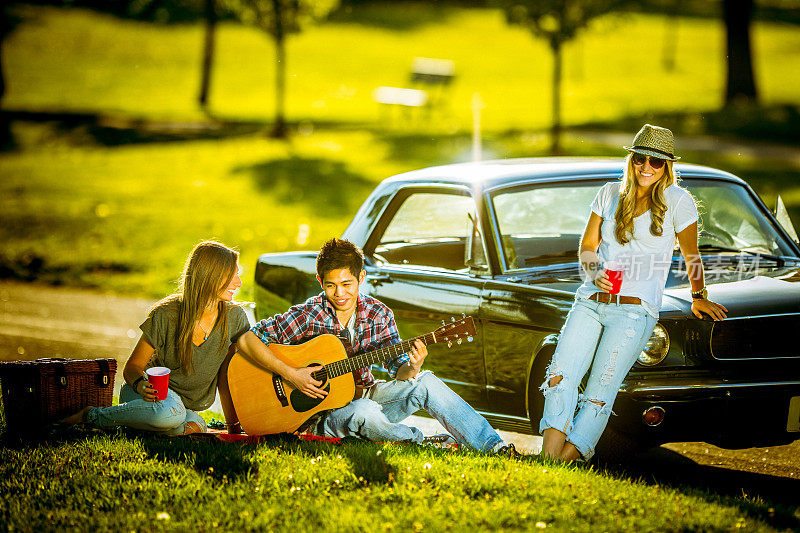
{"type": "Point", "coordinates": [124, 218]}
{"type": "Point", "coordinates": [82, 61]}
{"type": "Point", "coordinates": [102, 200]}
{"type": "Point", "coordinates": [128, 482]}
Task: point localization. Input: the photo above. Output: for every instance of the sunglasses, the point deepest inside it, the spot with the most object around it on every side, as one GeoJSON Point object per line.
{"type": "Point", "coordinates": [655, 162]}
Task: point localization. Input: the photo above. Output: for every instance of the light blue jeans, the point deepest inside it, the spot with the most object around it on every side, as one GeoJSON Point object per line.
{"type": "Point", "coordinates": [377, 418]}
{"type": "Point", "coordinates": [609, 337]}
{"type": "Point", "coordinates": [168, 416]}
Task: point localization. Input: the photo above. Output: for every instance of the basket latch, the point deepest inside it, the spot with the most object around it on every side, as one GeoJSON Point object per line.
{"type": "Point", "coordinates": [105, 369]}
{"type": "Point", "coordinates": [61, 372]}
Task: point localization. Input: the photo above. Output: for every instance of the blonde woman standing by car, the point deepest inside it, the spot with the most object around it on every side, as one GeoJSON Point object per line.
{"type": "Point", "coordinates": [190, 333]}
{"type": "Point", "coordinates": [634, 223]}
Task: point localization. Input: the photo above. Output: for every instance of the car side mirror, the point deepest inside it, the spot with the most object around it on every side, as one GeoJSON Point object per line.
{"type": "Point", "coordinates": [474, 256]}
{"type": "Point", "coordinates": [782, 215]}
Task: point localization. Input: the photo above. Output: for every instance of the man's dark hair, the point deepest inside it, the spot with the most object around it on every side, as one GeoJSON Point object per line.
{"type": "Point", "coordinates": [339, 253]}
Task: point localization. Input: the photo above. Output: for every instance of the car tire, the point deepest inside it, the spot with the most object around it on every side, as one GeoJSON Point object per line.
{"type": "Point", "coordinates": [535, 397]}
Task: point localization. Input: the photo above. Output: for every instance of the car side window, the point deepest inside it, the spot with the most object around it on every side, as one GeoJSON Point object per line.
{"type": "Point", "coordinates": [429, 229]}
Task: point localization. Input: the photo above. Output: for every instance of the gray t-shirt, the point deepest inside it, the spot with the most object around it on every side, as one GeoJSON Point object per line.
{"type": "Point", "coordinates": [198, 388]}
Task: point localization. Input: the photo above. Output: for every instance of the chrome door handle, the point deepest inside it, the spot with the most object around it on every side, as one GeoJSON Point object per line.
{"type": "Point", "coordinates": [378, 279]}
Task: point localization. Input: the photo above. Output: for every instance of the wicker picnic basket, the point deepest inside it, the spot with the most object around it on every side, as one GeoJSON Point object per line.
{"type": "Point", "coordinates": [37, 393]}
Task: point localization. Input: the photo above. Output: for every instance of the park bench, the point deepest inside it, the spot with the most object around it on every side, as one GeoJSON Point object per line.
{"type": "Point", "coordinates": [429, 81]}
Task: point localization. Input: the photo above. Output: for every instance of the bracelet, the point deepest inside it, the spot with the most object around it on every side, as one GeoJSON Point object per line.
{"type": "Point", "coordinates": [136, 383]}
{"type": "Point", "coordinates": [701, 294]}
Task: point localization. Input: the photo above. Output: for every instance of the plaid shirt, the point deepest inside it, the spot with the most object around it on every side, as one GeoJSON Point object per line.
{"type": "Point", "coordinates": [374, 328]}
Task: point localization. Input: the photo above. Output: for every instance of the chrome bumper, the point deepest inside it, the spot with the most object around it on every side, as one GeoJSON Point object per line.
{"type": "Point", "coordinates": [693, 389]}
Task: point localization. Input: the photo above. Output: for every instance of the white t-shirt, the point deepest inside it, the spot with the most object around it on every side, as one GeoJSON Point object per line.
{"type": "Point", "coordinates": [647, 259]}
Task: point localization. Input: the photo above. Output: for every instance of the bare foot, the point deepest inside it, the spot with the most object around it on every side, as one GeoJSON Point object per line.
{"type": "Point", "coordinates": [77, 418]}
{"type": "Point", "coordinates": [570, 453]}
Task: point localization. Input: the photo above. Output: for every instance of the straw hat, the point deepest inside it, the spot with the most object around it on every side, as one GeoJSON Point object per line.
{"type": "Point", "coordinates": [654, 141]}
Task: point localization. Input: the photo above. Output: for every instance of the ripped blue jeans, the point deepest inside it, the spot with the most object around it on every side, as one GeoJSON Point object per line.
{"type": "Point", "coordinates": [609, 337]}
{"type": "Point", "coordinates": [168, 416]}
{"type": "Point", "coordinates": [378, 417]}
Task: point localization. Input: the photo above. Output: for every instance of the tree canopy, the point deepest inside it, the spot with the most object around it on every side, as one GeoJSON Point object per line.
{"type": "Point", "coordinates": [280, 18]}
{"type": "Point", "coordinates": [557, 21]}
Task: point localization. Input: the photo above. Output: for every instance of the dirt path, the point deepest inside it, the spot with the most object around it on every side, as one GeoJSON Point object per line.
{"type": "Point", "coordinates": [41, 321]}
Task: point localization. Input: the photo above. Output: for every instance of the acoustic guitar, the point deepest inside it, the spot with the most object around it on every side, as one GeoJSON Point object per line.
{"type": "Point", "coordinates": [267, 404]}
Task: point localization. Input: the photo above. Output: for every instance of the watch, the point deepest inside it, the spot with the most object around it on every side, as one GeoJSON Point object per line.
{"type": "Point", "coordinates": [702, 294]}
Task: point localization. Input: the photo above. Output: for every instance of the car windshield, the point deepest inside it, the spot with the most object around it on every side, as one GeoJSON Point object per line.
{"type": "Point", "coordinates": [543, 225]}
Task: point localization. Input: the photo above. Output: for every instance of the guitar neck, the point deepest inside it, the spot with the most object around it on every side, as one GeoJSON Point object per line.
{"type": "Point", "coordinates": [344, 366]}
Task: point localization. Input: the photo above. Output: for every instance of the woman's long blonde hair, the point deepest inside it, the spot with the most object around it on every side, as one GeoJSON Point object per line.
{"type": "Point", "coordinates": [210, 268]}
{"type": "Point", "coordinates": [626, 208]}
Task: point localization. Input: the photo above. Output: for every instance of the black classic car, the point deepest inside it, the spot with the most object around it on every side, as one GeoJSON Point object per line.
{"type": "Point", "coordinates": [498, 241]}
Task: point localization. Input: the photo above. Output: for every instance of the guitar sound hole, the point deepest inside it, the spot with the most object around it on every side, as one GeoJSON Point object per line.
{"type": "Point", "coordinates": [302, 403]}
{"type": "Point", "coordinates": [320, 375]}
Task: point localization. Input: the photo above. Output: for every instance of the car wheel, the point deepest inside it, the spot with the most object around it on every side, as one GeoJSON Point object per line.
{"type": "Point", "coordinates": [535, 397]}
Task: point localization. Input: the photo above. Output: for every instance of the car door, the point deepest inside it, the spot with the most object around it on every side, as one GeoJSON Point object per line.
{"type": "Point", "coordinates": [415, 264]}
{"type": "Point", "coordinates": [536, 230]}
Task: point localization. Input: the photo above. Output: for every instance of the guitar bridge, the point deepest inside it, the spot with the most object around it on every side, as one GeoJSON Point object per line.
{"type": "Point", "coordinates": [280, 391]}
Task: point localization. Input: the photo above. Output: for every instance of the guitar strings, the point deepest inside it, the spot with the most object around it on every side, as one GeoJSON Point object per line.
{"type": "Point", "coordinates": [343, 366]}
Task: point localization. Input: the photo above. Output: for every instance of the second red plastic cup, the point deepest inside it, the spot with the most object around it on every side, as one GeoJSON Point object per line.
{"type": "Point", "coordinates": [614, 271]}
{"type": "Point", "coordinates": [158, 376]}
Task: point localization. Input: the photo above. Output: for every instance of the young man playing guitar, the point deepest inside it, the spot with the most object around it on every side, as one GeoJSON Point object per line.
{"type": "Point", "coordinates": [367, 324]}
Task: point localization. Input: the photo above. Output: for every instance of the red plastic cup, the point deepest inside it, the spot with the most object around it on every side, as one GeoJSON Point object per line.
{"type": "Point", "coordinates": [158, 376]}
{"type": "Point", "coordinates": [614, 271]}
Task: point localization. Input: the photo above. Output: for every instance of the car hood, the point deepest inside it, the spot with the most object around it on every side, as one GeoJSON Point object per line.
{"type": "Point", "coordinates": [766, 290]}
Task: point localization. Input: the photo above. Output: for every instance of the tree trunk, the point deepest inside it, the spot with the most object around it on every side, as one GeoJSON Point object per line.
{"type": "Point", "coordinates": [671, 36]}
{"type": "Point", "coordinates": [208, 53]}
{"type": "Point", "coordinates": [741, 86]}
{"type": "Point", "coordinates": [279, 129]}
{"type": "Point", "coordinates": [555, 147]}
{"type": "Point", "coordinates": [6, 140]}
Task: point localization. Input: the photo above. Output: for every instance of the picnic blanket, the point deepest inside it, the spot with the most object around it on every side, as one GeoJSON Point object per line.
{"type": "Point", "coordinates": [224, 436]}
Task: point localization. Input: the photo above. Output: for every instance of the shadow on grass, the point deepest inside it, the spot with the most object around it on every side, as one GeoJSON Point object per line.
{"type": "Point", "coordinates": [30, 266]}
{"type": "Point", "coordinates": [787, 13]}
{"type": "Point", "coordinates": [328, 186]}
{"type": "Point", "coordinates": [92, 129]}
{"type": "Point", "coordinates": [766, 500]}
{"type": "Point", "coordinates": [368, 461]}
{"type": "Point", "coordinates": [395, 16]}
{"type": "Point", "coordinates": [220, 459]}
{"type": "Point", "coordinates": [777, 123]}
{"type": "Point", "coordinates": [439, 149]}
{"type": "Point", "coordinates": [763, 497]}
{"type": "Point", "coordinates": [209, 457]}
{"type": "Point", "coordinates": [97, 129]}
{"type": "Point", "coordinates": [426, 150]}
